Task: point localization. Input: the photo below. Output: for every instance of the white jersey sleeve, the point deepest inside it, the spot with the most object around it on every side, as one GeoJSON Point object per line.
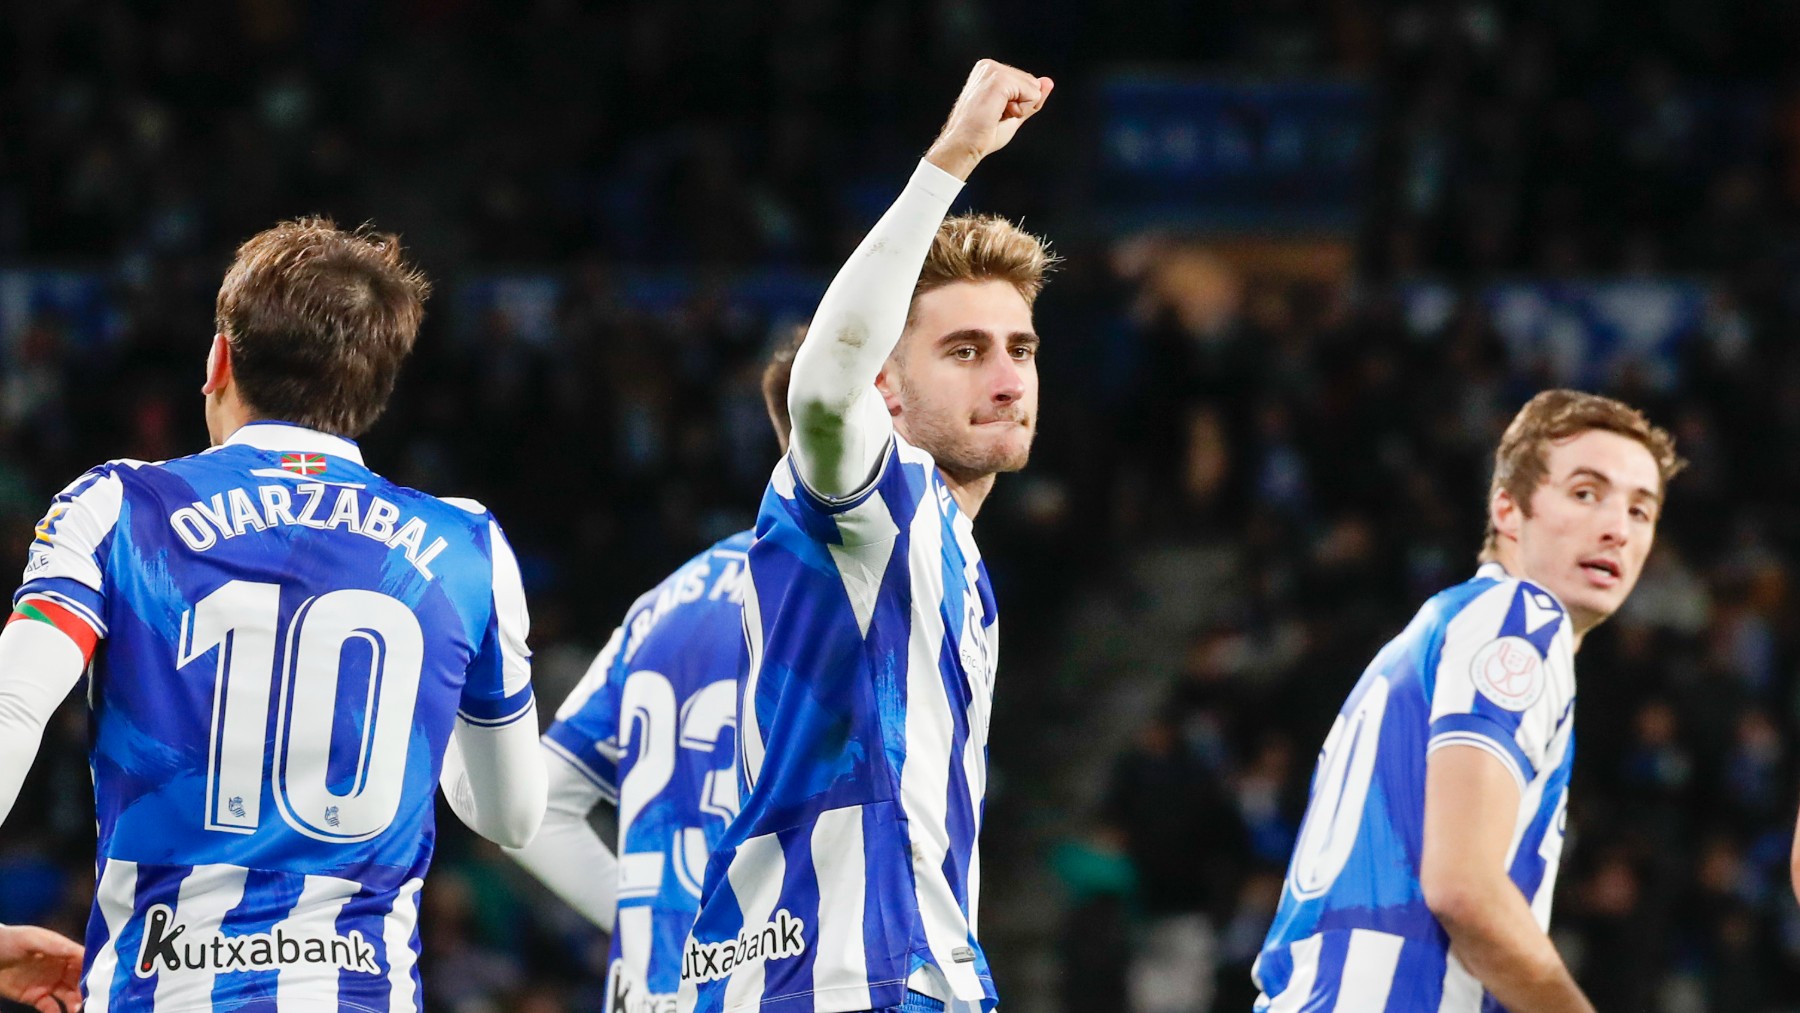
{"type": "Point", "coordinates": [567, 855]}
{"type": "Point", "coordinates": [841, 423]}
{"type": "Point", "coordinates": [493, 776]}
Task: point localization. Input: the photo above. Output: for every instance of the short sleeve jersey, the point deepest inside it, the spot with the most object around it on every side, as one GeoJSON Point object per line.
{"type": "Point", "coordinates": [286, 640]}
{"type": "Point", "coordinates": [653, 726]}
{"type": "Point", "coordinates": [851, 873]}
{"type": "Point", "coordinates": [1486, 664]}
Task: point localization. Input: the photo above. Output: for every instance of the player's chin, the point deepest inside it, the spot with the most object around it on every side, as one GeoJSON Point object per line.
{"type": "Point", "coordinates": [1598, 603]}
{"type": "Point", "coordinates": [987, 459]}
{"type": "Point", "coordinates": [1009, 452]}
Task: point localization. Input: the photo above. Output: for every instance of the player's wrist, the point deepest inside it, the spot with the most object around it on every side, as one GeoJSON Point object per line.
{"type": "Point", "coordinates": [935, 181]}
{"type": "Point", "coordinates": [954, 157]}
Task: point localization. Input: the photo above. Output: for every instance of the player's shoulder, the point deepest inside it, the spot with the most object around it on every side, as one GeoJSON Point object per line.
{"type": "Point", "coordinates": [705, 577]}
{"type": "Point", "coordinates": [120, 476]}
{"type": "Point", "coordinates": [712, 581]}
{"type": "Point", "coordinates": [458, 509]}
{"type": "Point", "coordinates": [1495, 605]}
{"type": "Point", "coordinates": [732, 546]}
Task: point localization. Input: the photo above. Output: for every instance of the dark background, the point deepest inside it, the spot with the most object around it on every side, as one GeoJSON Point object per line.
{"type": "Point", "coordinates": [1316, 254]}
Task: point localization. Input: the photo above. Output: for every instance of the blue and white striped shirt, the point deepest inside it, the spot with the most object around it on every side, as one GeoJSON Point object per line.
{"type": "Point", "coordinates": [288, 640]}
{"type": "Point", "coordinates": [1488, 664]}
{"type": "Point", "coordinates": [651, 727]}
{"type": "Point", "coordinates": [851, 873]}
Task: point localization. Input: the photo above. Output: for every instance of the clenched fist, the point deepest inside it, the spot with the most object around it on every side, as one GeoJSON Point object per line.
{"type": "Point", "coordinates": [994, 102]}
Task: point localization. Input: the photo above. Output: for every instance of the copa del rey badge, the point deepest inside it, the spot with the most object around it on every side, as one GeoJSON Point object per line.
{"type": "Point", "coordinates": [1510, 672]}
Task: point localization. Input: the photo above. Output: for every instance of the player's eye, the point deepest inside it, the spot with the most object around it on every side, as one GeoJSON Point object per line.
{"type": "Point", "coordinates": [1024, 353]}
{"type": "Point", "coordinates": [1641, 514]}
{"type": "Point", "coordinates": [1585, 495]}
{"type": "Point", "coordinates": [965, 353]}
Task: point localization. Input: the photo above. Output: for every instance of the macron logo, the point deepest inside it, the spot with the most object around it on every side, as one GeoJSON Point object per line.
{"type": "Point", "coordinates": [1540, 611]}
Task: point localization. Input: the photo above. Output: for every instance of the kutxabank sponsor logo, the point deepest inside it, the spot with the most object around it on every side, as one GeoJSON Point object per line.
{"type": "Point", "coordinates": [780, 938]}
{"type": "Point", "coordinates": [164, 949]}
{"type": "Point", "coordinates": [626, 994]}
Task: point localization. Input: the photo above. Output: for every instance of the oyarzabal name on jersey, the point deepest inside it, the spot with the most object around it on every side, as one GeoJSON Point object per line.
{"type": "Point", "coordinates": [165, 949]}
{"type": "Point", "coordinates": [714, 961]}
{"type": "Point", "coordinates": [202, 524]}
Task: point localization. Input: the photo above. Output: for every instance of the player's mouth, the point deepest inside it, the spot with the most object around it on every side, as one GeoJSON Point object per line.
{"type": "Point", "coordinates": [1000, 420]}
{"type": "Point", "coordinates": [1602, 572]}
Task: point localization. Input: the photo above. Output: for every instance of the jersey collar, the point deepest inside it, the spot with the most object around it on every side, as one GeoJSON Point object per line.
{"type": "Point", "coordinates": [289, 436]}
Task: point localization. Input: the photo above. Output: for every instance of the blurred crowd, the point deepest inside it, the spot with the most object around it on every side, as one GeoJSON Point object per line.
{"type": "Point", "coordinates": [1290, 425]}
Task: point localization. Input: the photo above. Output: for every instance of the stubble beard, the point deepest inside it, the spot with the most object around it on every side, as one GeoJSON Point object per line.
{"type": "Point", "coordinates": [960, 452]}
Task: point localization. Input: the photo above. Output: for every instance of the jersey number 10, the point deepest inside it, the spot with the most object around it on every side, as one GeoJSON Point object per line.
{"type": "Point", "coordinates": [240, 620]}
{"type": "Point", "coordinates": [1340, 790]}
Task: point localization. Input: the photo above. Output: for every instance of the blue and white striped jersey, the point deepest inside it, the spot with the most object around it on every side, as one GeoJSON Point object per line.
{"type": "Point", "coordinates": [288, 639]}
{"type": "Point", "coordinates": [851, 874]}
{"type": "Point", "coordinates": [653, 726]}
{"type": "Point", "coordinates": [1489, 664]}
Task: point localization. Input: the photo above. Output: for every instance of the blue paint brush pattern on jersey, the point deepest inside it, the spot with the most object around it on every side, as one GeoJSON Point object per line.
{"type": "Point", "coordinates": [285, 653]}
{"type": "Point", "coordinates": [851, 874]}
{"type": "Point", "coordinates": [653, 726]}
{"type": "Point", "coordinates": [1487, 664]}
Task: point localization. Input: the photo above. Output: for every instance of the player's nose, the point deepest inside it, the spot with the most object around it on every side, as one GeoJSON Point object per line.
{"type": "Point", "coordinates": [1007, 381]}
{"type": "Point", "coordinates": [1615, 525]}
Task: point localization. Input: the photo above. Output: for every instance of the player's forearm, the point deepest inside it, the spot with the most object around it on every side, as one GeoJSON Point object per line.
{"type": "Point", "coordinates": [839, 429]}
{"type": "Point", "coordinates": [38, 667]}
{"type": "Point", "coordinates": [567, 855]}
{"type": "Point", "coordinates": [1493, 933]}
{"type": "Point", "coordinates": [495, 780]}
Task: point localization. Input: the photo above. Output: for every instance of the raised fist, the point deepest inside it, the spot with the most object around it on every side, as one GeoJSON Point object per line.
{"type": "Point", "coordinates": [994, 102]}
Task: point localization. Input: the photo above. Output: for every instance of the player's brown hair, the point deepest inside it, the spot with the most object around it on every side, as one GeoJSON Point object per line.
{"type": "Point", "coordinates": [985, 248]}
{"type": "Point", "coordinates": [1521, 463]}
{"type": "Point", "coordinates": [775, 377]}
{"type": "Point", "coordinates": [319, 320]}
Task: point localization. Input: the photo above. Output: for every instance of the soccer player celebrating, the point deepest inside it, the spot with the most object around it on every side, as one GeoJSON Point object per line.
{"type": "Point", "coordinates": [1423, 873]}
{"type": "Point", "coordinates": [282, 643]}
{"type": "Point", "coordinates": [651, 730]}
{"type": "Point", "coordinates": [849, 879]}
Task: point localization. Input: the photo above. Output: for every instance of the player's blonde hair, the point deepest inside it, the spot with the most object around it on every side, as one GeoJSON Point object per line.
{"type": "Point", "coordinates": [985, 248]}
{"type": "Point", "coordinates": [1521, 463]}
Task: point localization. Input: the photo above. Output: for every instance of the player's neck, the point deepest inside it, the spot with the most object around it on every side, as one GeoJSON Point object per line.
{"type": "Point", "coordinates": [970, 491]}
{"type": "Point", "coordinates": [225, 416]}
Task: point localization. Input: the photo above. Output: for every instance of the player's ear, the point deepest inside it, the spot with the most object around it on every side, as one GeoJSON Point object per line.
{"type": "Point", "coordinates": [1505, 514]}
{"type": "Point", "coordinates": [888, 383]}
{"type": "Point", "coordinates": [218, 365]}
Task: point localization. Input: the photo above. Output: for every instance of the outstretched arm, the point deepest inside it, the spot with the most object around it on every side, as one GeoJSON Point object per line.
{"type": "Point", "coordinates": [841, 425]}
